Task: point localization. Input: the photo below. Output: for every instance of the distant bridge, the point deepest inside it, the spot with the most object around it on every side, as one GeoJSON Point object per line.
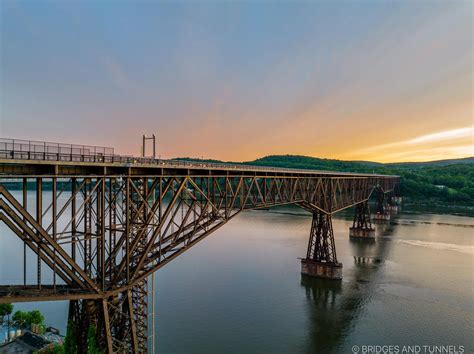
{"type": "Point", "coordinates": [103, 223]}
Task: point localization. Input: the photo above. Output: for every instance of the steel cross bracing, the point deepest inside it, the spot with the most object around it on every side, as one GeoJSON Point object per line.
{"type": "Point", "coordinates": [362, 216]}
{"type": "Point", "coordinates": [101, 231]}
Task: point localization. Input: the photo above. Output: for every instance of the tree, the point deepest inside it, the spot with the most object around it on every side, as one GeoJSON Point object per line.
{"type": "Point", "coordinates": [20, 318]}
{"type": "Point", "coordinates": [92, 347]}
{"type": "Point", "coordinates": [5, 310]}
{"type": "Point", "coordinates": [24, 319]}
{"type": "Point", "coordinates": [35, 317]}
{"type": "Point", "coordinates": [70, 343]}
{"type": "Point", "coordinates": [59, 349]}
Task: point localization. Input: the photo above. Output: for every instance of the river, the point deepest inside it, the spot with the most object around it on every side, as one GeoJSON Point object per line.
{"type": "Point", "coordinates": [240, 290]}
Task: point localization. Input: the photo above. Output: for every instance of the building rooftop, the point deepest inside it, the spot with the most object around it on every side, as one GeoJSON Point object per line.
{"type": "Point", "coordinates": [26, 343]}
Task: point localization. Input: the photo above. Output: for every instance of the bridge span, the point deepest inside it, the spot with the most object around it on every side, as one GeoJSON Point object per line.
{"type": "Point", "coordinates": [99, 224]}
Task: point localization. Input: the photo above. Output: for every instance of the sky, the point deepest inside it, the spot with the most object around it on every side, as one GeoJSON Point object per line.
{"type": "Point", "coordinates": [374, 80]}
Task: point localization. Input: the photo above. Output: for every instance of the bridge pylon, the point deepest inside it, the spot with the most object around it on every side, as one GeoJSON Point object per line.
{"type": "Point", "coordinates": [321, 259]}
{"type": "Point", "coordinates": [392, 202]}
{"type": "Point", "coordinates": [396, 197]}
{"type": "Point", "coordinates": [110, 322]}
{"type": "Point", "coordinates": [362, 226]}
{"type": "Point", "coordinates": [382, 212]}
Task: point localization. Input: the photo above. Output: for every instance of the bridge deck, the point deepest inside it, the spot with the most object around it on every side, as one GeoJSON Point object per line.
{"type": "Point", "coordinates": [155, 167]}
{"type": "Point", "coordinates": [24, 157]}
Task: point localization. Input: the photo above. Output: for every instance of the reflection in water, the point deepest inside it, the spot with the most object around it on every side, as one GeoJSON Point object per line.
{"type": "Point", "coordinates": [328, 322]}
{"type": "Point", "coordinates": [333, 306]}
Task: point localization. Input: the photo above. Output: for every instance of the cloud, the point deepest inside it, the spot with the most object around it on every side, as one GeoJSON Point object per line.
{"type": "Point", "coordinates": [429, 139]}
{"type": "Point", "coordinates": [451, 143]}
{"type": "Point", "coordinates": [430, 153]}
{"type": "Point", "coordinates": [444, 135]}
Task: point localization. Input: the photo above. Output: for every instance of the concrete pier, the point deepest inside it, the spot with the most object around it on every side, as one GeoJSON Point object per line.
{"type": "Point", "coordinates": [393, 208]}
{"type": "Point", "coordinates": [362, 232]}
{"type": "Point", "coordinates": [382, 216]}
{"type": "Point", "coordinates": [321, 269]}
{"type": "Point", "coordinates": [397, 200]}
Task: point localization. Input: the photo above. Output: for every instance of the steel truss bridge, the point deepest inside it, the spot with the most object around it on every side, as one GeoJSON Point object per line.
{"type": "Point", "coordinates": [100, 224]}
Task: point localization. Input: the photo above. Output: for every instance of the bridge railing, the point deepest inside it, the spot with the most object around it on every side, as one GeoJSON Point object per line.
{"type": "Point", "coordinates": [42, 150]}
{"type": "Point", "coordinates": [48, 151]}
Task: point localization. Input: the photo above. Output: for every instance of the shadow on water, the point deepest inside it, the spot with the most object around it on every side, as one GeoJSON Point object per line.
{"type": "Point", "coordinates": [334, 306]}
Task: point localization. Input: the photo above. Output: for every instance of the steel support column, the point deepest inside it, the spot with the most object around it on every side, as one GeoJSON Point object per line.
{"type": "Point", "coordinates": [381, 210]}
{"type": "Point", "coordinates": [362, 226]}
{"type": "Point", "coordinates": [321, 259]}
{"type": "Point", "coordinates": [111, 319]}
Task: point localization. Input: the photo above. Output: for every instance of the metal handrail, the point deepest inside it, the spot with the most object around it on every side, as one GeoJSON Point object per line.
{"type": "Point", "coordinates": [33, 146]}
{"type": "Point", "coordinates": [37, 150]}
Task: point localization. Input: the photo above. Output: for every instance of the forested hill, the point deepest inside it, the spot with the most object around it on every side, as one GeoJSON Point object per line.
{"type": "Point", "coordinates": [307, 162]}
{"type": "Point", "coordinates": [441, 182]}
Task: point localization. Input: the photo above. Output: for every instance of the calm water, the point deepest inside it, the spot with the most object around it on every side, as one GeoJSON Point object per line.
{"type": "Point", "coordinates": [240, 290]}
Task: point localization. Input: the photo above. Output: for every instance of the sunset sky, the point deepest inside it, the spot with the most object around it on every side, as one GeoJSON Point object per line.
{"type": "Point", "coordinates": [369, 80]}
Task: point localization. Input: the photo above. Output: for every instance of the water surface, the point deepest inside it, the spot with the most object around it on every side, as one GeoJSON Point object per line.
{"type": "Point", "coordinates": [240, 290]}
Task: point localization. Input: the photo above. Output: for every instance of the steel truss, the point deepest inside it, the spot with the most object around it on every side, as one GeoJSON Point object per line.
{"type": "Point", "coordinates": [321, 246]}
{"type": "Point", "coordinates": [381, 202]}
{"type": "Point", "coordinates": [362, 217]}
{"type": "Point", "coordinates": [102, 234]}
